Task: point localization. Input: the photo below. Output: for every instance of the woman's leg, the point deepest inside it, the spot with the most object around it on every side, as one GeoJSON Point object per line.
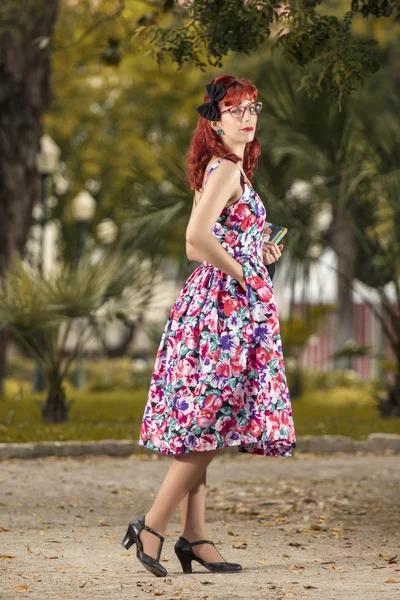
{"type": "Point", "coordinates": [184, 472]}
{"type": "Point", "coordinates": [192, 510]}
{"type": "Point", "coordinates": [193, 527]}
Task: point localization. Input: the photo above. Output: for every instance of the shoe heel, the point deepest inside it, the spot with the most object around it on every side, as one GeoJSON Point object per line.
{"type": "Point", "coordinates": [128, 540]}
{"type": "Point", "coordinates": [186, 562]}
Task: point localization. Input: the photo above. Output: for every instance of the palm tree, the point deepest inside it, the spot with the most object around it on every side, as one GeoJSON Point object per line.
{"type": "Point", "coordinates": [355, 156]}
{"type": "Point", "coordinates": [314, 140]}
{"type": "Point", "coordinates": [42, 310]}
{"type": "Point", "coordinates": [380, 243]}
{"type": "Point", "coordinates": [156, 224]}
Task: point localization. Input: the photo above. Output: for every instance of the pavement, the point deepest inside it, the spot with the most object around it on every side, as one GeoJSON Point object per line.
{"type": "Point", "coordinates": [314, 444]}
{"type": "Point", "coordinates": [312, 526]}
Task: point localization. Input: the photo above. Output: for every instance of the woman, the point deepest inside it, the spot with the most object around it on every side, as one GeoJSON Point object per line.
{"type": "Point", "coordinates": [219, 377]}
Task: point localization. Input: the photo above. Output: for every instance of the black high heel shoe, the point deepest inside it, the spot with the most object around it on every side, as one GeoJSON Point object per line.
{"type": "Point", "coordinates": [132, 537]}
{"type": "Point", "coordinates": [185, 554]}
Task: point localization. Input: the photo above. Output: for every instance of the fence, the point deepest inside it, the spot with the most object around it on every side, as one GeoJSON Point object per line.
{"type": "Point", "coordinates": [317, 353]}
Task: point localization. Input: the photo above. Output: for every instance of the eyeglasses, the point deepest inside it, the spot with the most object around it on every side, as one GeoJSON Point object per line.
{"type": "Point", "coordinates": [237, 112]}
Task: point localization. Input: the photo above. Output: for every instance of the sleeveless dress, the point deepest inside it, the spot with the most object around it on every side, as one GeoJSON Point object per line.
{"type": "Point", "coordinates": [219, 375]}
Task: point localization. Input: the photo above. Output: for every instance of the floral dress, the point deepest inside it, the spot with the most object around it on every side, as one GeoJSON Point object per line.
{"type": "Point", "coordinates": [219, 375]}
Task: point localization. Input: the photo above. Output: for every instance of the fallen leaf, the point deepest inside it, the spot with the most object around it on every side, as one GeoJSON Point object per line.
{"type": "Point", "coordinates": [389, 559]}
{"type": "Point", "coordinates": [392, 580]}
{"type": "Point", "coordinates": [297, 569]}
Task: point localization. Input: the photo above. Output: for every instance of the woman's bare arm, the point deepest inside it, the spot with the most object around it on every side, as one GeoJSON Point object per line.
{"type": "Point", "coordinates": [220, 187]}
{"type": "Point", "coordinates": [190, 249]}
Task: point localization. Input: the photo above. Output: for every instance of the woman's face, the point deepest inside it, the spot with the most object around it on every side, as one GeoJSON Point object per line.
{"type": "Point", "coordinates": [237, 129]}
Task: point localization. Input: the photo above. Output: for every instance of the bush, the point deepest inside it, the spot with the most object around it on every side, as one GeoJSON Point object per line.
{"type": "Point", "coordinates": [101, 374]}
{"type": "Point", "coordinates": [113, 374]}
{"type": "Point", "coordinates": [328, 380]}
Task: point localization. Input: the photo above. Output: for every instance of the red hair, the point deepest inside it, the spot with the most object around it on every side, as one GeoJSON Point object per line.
{"type": "Point", "coordinates": [206, 143]}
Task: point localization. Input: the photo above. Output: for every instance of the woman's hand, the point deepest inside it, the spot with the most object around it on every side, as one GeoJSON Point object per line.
{"type": "Point", "coordinates": [271, 252]}
{"type": "Point", "coordinates": [243, 284]}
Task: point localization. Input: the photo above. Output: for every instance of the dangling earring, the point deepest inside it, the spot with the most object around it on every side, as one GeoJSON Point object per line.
{"type": "Point", "coordinates": [220, 132]}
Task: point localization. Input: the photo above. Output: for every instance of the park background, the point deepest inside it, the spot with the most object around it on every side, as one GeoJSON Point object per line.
{"type": "Point", "coordinates": [103, 246]}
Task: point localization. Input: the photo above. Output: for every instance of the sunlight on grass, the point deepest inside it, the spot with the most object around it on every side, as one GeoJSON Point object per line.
{"type": "Point", "coordinates": [117, 414]}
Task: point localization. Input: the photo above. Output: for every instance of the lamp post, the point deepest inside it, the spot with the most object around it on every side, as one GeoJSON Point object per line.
{"type": "Point", "coordinates": [83, 208]}
{"type": "Point", "coordinates": [47, 161]}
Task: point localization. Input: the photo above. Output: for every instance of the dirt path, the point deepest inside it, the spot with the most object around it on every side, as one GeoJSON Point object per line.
{"type": "Point", "coordinates": [322, 527]}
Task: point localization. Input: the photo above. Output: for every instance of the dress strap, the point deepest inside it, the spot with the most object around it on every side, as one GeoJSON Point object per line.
{"type": "Point", "coordinates": [210, 169]}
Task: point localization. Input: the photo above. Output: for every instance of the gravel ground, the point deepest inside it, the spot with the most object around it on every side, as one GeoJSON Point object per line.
{"type": "Point", "coordinates": [311, 526]}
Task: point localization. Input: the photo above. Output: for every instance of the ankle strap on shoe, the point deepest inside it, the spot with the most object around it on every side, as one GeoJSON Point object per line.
{"type": "Point", "coordinates": [155, 532]}
{"type": "Point", "coordinates": [201, 542]}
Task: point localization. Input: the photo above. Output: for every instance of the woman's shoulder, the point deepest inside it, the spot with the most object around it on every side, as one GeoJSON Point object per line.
{"type": "Point", "coordinates": [227, 173]}
{"type": "Point", "coordinates": [227, 165]}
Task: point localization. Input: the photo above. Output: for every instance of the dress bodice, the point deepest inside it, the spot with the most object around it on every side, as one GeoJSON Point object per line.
{"type": "Point", "coordinates": [239, 227]}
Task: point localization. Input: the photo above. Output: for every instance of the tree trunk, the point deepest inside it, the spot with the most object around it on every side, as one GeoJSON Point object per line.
{"type": "Point", "coordinates": [343, 243]}
{"type": "Point", "coordinates": [390, 405]}
{"type": "Point", "coordinates": [24, 96]}
{"type": "Point", "coordinates": [345, 313]}
{"type": "Point", "coordinates": [3, 348]}
{"type": "Point", "coordinates": [56, 407]}
{"type": "Point", "coordinates": [55, 410]}
{"type": "Point", "coordinates": [129, 333]}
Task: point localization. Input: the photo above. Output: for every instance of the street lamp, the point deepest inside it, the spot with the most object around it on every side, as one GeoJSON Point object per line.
{"type": "Point", "coordinates": [107, 231]}
{"type": "Point", "coordinates": [47, 161]}
{"type": "Point", "coordinates": [83, 208]}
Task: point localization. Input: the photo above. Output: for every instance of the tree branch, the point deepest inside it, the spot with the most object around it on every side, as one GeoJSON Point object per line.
{"type": "Point", "coordinates": [93, 27]}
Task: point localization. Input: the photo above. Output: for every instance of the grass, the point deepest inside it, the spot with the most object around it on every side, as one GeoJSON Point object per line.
{"type": "Point", "coordinates": [93, 416]}
{"type": "Point", "coordinates": [117, 414]}
{"type": "Point", "coordinates": [341, 411]}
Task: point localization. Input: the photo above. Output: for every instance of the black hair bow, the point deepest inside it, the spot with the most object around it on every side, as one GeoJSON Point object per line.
{"type": "Point", "coordinates": [209, 110]}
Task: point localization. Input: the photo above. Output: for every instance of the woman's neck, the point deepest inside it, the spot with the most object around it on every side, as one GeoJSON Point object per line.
{"type": "Point", "coordinates": [236, 148]}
